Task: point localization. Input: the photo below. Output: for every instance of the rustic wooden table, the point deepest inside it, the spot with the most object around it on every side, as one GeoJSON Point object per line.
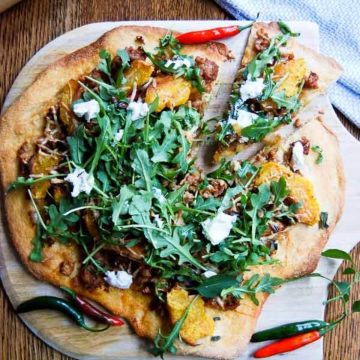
{"type": "Point", "coordinates": [31, 24]}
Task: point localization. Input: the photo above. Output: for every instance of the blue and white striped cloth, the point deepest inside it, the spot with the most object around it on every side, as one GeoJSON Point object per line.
{"type": "Point", "coordinates": [339, 22]}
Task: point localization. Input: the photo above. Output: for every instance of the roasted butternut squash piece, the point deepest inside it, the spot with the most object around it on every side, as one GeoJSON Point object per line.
{"type": "Point", "coordinates": [91, 224]}
{"type": "Point", "coordinates": [295, 71]}
{"type": "Point", "coordinates": [171, 92]}
{"type": "Point", "coordinates": [42, 164]}
{"type": "Point", "coordinates": [301, 190]}
{"type": "Point", "coordinates": [66, 98]}
{"type": "Point", "coordinates": [140, 72]}
{"type": "Point", "coordinates": [198, 324]}
{"type": "Point", "coordinates": [58, 193]}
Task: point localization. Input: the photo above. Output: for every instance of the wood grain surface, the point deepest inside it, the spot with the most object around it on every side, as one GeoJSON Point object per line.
{"type": "Point", "coordinates": [31, 24]}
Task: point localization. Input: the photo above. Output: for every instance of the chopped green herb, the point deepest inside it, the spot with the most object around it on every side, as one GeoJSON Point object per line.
{"type": "Point", "coordinates": [284, 28]}
{"type": "Point", "coordinates": [319, 151]}
{"type": "Point", "coordinates": [215, 338]}
{"type": "Point", "coordinates": [323, 223]}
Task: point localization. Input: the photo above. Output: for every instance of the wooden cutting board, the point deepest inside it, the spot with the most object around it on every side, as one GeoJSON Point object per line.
{"type": "Point", "coordinates": [300, 300]}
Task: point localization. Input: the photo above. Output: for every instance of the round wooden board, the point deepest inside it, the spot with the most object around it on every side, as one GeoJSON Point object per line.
{"type": "Point", "coordinates": [300, 300]}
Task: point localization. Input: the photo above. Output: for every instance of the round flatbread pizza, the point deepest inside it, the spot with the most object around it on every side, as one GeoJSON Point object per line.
{"type": "Point", "coordinates": [104, 195]}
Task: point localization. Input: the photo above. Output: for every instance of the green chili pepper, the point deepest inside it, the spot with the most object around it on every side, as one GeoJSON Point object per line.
{"type": "Point", "coordinates": [288, 330]}
{"type": "Point", "coordinates": [59, 304]}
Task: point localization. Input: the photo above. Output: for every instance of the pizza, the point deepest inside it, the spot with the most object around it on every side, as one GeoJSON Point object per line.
{"type": "Point", "coordinates": [103, 194]}
{"type": "Point", "coordinates": [277, 78]}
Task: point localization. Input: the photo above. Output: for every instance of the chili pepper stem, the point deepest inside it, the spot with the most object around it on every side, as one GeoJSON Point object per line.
{"type": "Point", "coordinates": [327, 329]}
{"type": "Point", "coordinates": [242, 28]}
{"type": "Point", "coordinates": [68, 291]}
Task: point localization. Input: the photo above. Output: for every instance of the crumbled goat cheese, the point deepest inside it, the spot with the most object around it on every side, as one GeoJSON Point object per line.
{"type": "Point", "coordinates": [158, 221]}
{"type": "Point", "coordinates": [89, 109]}
{"type": "Point", "coordinates": [177, 62]}
{"type": "Point", "coordinates": [209, 274]}
{"type": "Point", "coordinates": [118, 136]}
{"type": "Point", "coordinates": [218, 228]}
{"type": "Point", "coordinates": [138, 109]}
{"type": "Point", "coordinates": [244, 119]}
{"type": "Point", "coordinates": [81, 181]}
{"type": "Point", "coordinates": [159, 195]}
{"type": "Point", "coordinates": [119, 279]}
{"type": "Point", "coordinates": [298, 160]}
{"type": "Point", "coordinates": [251, 89]}
{"type": "Point", "coordinates": [243, 139]}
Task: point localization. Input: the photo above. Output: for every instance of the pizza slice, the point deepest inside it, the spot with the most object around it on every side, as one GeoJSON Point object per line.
{"type": "Point", "coordinates": [277, 78]}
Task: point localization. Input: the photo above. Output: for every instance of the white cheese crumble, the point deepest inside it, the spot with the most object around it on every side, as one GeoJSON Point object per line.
{"type": "Point", "coordinates": [298, 160]}
{"type": "Point", "coordinates": [251, 89]}
{"type": "Point", "coordinates": [81, 181]}
{"type": "Point", "coordinates": [118, 136]}
{"type": "Point", "coordinates": [209, 273]}
{"type": "Point", "coordinates": [177, 62]}
{"type": "Point", "coordinates": [119, 279]}
{"type": "Point", "coordinates": [88, 109]}
{"type": "Point", "coordinates": [158, 221]}
{"type": "Point", "coordinates": [244, 119]}
{"type": "Point", "coordinates": [159, 195]}
{"type": "Point", "coordinates": [218, 228]}
{"type": "Point", "coordinates": [243, 139]}
{"type": "Point", "coordinates": [138, 109]}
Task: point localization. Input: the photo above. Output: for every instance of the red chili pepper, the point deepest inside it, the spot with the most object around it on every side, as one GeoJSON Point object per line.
{"type": "Point", "coordinates": [202, 36]}
{"type": "Point", "coordinates": [291, 343]}
{"type": "Point", "coordinates": [93, 312]}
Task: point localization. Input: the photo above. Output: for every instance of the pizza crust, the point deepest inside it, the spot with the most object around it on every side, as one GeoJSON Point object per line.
{"type": "Point", "coordinates": [300, 249]}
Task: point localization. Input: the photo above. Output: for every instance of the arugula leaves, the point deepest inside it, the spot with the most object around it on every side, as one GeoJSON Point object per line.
{"type": "Point", "coordinates": [260, 128]}
{"type": "Point", "coordinates": [258, 201]}
{"type": "Point", "coordinates": [37, 242]}
{"type": "Point", "coordinates": [171, 246]}
{"type": "Point", "coordinates": [168, 44]}
{"type": "Point", "coordinates": [256, 66]}
{"type": "Point", "coordinates": [143, 168]}
{"type": "Point", "coordinates": [77, 146]}
{"type": "Point", "coordinates": [254, 285]}
{"type": "Point", "coordinates": [213, 286]}
{"type": "Point", "coordinates": [291, 104]}
{"type": "Point", "coordinates": [22, 181]}
{"type": "Point", "coordinates": [164, 343]}
{"type": "Point", "coordinates": [285, 29]}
